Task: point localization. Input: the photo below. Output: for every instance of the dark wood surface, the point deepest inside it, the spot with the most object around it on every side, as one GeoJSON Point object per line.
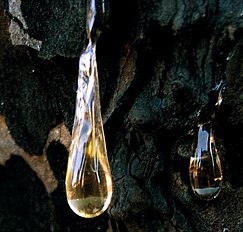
{"type": "Point", "coordinates": [157, 62]}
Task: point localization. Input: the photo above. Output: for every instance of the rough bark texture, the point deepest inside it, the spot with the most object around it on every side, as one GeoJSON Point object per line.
{"type": "Point", "coordinates": [157, 62]}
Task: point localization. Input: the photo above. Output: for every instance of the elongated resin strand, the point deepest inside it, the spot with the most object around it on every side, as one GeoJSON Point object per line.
{"type": "Point", "coordinates": [88, 180]}
{"type": "Point", "coordinates": [89, 184]}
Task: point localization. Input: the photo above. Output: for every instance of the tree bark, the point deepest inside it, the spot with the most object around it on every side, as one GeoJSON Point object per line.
{"type": "Point", "coordinates": [158, 60]}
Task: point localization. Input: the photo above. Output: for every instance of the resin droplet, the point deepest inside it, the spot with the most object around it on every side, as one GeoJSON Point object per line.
{"type": "Point", "coordinates": [205, 169]}
{"type": "Point", "coordinates": [88, 179]}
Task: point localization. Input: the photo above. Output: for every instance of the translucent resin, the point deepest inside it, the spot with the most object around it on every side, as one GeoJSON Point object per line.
{"type": "Point", "coordinates": [89, 184]}
{"type": "Point", "coordinates": [205, 169]}
{"type": "Point", "coordinates": [88, 179]}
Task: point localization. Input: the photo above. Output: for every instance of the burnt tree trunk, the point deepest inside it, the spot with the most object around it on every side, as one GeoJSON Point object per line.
{"type": "Point", "coordinates": [157, 62]}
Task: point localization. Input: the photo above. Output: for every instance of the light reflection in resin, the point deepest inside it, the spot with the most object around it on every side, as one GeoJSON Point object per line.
{"type": "Point", "coordinates": [89, 184]}
{"type": "Point", "coordinates": [205, 169]}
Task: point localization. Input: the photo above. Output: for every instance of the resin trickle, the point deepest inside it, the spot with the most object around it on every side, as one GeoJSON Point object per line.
{"type": "Point", "coordinates": [205, 168]}
{"type": "Point", "coordinates": [89, 184]}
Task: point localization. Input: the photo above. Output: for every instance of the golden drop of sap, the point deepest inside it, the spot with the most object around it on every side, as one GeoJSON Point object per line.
{"type": "Point", "coordinates": [205, 168]}
{"type": "Point", "coordinates": [89, 184]}
{"type": "Point", "coordinates": [88, 180]}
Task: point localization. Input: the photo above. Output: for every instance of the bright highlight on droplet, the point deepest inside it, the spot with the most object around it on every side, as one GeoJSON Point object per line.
{"type": "Point", "coordinates": [205, 169]}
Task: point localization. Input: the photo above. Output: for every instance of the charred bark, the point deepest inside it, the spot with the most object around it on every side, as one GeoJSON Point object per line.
{"type": "Point", "coordinates": [157, 62]}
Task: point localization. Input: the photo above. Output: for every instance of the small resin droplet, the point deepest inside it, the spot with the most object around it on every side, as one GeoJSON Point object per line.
{"type": "Point", "coordinates": [88, 180]}
{"type": "Point", "coordinates": [205, 169]}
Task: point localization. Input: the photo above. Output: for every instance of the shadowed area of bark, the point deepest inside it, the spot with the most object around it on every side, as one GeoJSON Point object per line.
{"type": "Point", "coordinates": [157, 62]}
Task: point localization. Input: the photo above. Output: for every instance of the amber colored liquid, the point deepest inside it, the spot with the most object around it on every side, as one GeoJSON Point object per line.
{"type": "Point", "coordinates": [205, 169]}
{"type": "Point", "coordinates": [205, 176]}
{"type": "Point", "coordinates": [88, 207]}
{"type": "Point", "coordinates": [90, 194]}
{"type": "Point", "coordinates": [88, 178]}
{"type": "Point", "coordinates": [89, 184]}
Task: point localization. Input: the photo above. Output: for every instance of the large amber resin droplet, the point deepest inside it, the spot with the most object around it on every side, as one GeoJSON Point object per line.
{"type": "Point", "coordinates": [205, 168]}
{"type": "Point", "coordinates": [88, 179]}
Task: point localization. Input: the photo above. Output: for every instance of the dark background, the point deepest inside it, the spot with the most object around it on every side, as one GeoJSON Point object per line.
{"type": "Point", "coordinates": [157, 62]}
